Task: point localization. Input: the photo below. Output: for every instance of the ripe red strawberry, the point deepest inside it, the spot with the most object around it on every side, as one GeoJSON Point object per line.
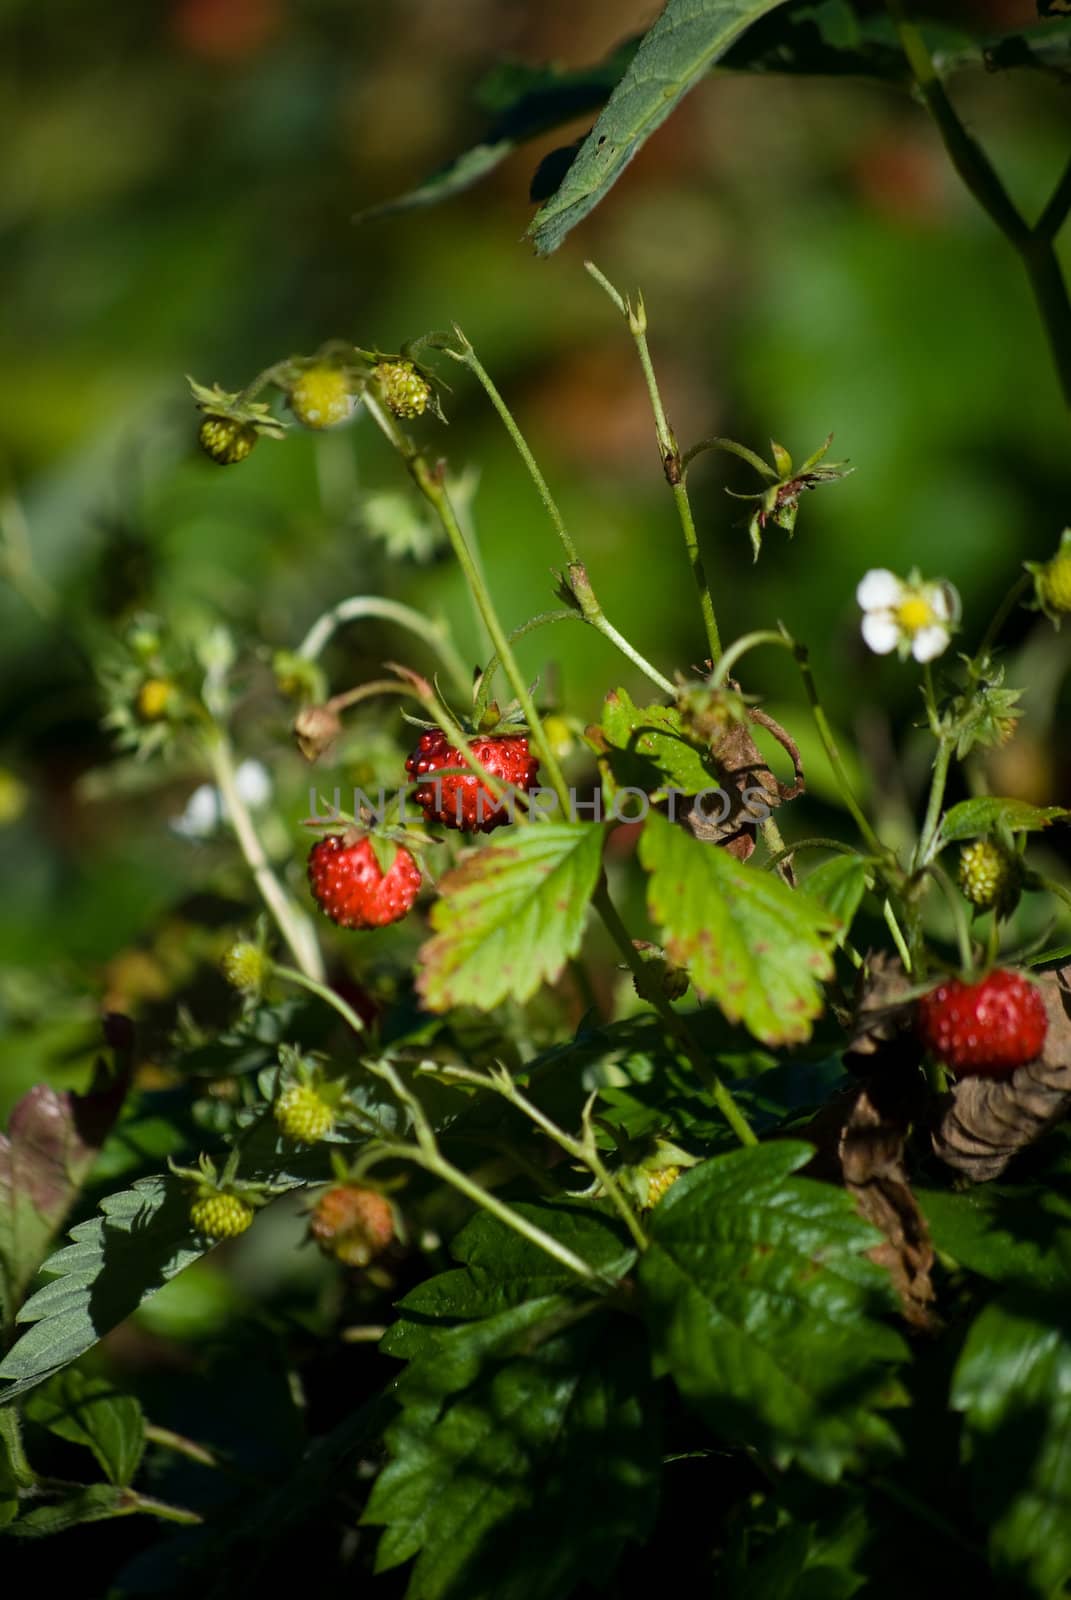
{"type": "Point", "coordinates": [349, 887]}
{"type": "Point", "coordinates": [986, 1029]}
{"type": "Point", "coordinates": [465, 801]}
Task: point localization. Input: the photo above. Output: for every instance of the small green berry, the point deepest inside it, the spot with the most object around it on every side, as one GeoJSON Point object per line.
{"type": "Point", "coordinates": [245, 966]}
{"type": "Point", "coordinates": [1054, 581]}
{"type": "Point", "coordinates": [154, 698]}
{"type": "Point", "coordinates": [226, 441]}
{"type": "Point", "coordinates": [405, 390]}
{"type": "Point", "coordinates": [321, 398]}
{"type": "Point", "coordinates": [658, 1182]}
{"type": "Point", "coordinates": [220, 1216]}
{"type": "Point", "coordinates": [989, 876]}
{"type": "Point", "coordinates": [302, 1115]}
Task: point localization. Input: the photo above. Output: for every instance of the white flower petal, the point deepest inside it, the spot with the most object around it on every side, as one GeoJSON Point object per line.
{"type": "Point", "coordinates": [253, 783]}
{"type": "Point", "coordinates": [929, 642]}
{"type": "Point", "coordinates": [201, 816]}
{"type": "Point", "coordinates": [881, 632]}
{"type": "Point", "coordinates": [879, 590]}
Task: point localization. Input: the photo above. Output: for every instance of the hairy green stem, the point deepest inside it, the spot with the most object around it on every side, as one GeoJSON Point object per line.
{"type": "Point", "coordinates": [670, 454]}
{"type": "Point", "coordinates": [931, 822]}
{"type": "Point", "coordinates": [426, 1153]}
{"type": "Point", "coordinates": [468, 357]}
{"type": "Point", "coordinates": [433, 489]}
{"type": "Point", "coordinates": [357, 607]}
{"type": "Point", "coordinates": [295, 927]}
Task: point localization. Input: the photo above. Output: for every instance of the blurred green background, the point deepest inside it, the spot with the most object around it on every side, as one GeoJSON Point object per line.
{"type": "Point", "coordinates": [180, 184]}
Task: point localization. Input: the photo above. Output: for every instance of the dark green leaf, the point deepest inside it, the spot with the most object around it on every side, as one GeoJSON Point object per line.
{"type": "Point", "coordinates": [551, 1446]}
{"type": "Point", "coordinates": [90, 1411]}
{"type": "Point", "coordinates": [757, 947]}
{"type": "Point", "coordinates": [981, 815]}
{"type": "Point", "coordinates": [1010, 1234]}
{"type": "Point", "coordinates": [510, 916]}
{"type": "Point", "coordinates": [98, 1503]}
{"type": "Point", "coordinates": [501, 1271]}
{"type": "Point", "coordinates": [685, 42]}
{"type": "Point", "coordinates": [1013, 1384]}
{"type": "Point", "coordinates": [764, 1309]}
{"type": "Point", "coordinates": [52, 1141]}
{"type": "Point", "coordinates": [115, 1262]}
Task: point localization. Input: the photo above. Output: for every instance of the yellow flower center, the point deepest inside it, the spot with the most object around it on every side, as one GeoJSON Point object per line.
{"type": "Point", "coordinates": [915, 613]}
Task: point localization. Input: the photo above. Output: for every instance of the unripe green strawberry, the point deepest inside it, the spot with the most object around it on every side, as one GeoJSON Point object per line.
{"type": "Point", "coordinates": [245, 966]}
{"type": "Point", "coordinates": [1054, 581]}
{"type": "Point", "coordinates": [154, 698]}
{"type": "Point", "coordinates": [989, 876]}
{"type": "Point", "coordinates": [302, 1115]}
{"type": "Point", "coordinates": [220, 1216]}
{"type": "Point", "coordinates": [405, 390]}
{"type": "Point", "coordinates": [225, 440]}
{"type": "Point", "coordinates": [321, 398]}
{"type": "Point", "coordinates": [659, 1182]}
{"type": "Point", "coordinates": [352, 1223]}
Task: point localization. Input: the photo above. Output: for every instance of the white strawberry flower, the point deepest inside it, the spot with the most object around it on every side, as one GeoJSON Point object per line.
{"type": "Point", "coordinates": [906, 614]}
{"type": "Point", "coordinates": [206, 808]}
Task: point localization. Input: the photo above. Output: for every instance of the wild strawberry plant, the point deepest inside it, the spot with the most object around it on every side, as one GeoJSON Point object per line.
{"type": "Point", "coordinates": [705, 1164]}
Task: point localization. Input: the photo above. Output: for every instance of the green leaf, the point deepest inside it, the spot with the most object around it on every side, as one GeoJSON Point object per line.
{"type": "Point", "coordinates": [839, 884]}
{"type": "Point", "coordinates": [116, 1262]}
{"type": "Point", "coordinates": [51, 1144]}
{"type": "Point", "coordinates": [510, 916]}
{"type": "Point", "coordinates": [1013, 1384]}
{"type": "Point", "coordinates": [500, 1271]}
{"type": "Point", "coordinates": [685, 42]}
{"type": "Point", "coordinates": [90, 1411]}
{"type": "Point", "coordinates": [98, 1503]}
{"type": "Point", "coordinates": [519, 1435]}
{"type": "Point", "coordinates": [763, 1308]}
{"type": "Point", "coordinates": [15, 1472]}
{"type": "Point", "coordinates": [529, 102]}
{"type": "Point", "coordinates": [647, 748]}
{"type": "Point", "coordinates": [981, 815]}
{"type": "Point", "coordinates": [757, 947]}
{"type": "Point", "coordinates": [1009, 1234]}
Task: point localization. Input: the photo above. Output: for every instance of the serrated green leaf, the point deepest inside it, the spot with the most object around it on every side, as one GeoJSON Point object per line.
{"type": "Point", "coordinates": [1013, 1384]}
{"type": "Point", "coordinates": [982, 814]}
{"type": "Point", "coordinates": [685, 42]}
{"type": "Point", "coordinates": [757, 947]}
{"type": "Point", "coordinates": [551, 1445]}
{"type": "Point", "coordinates": [763, 1308]}
{"type": "Point", "coordinates": [646, 747]}
{"type": "Point", "coordinates": [839, 884]}
{"type": "Point", "coordinates": [90, 1411]}
{"type": "Point", "coordinates": [1010, 1234]}
{"type": "Point", "coordinates": [115, 1262]}
{"type": "Point", "coordinates": [510, 916]}
{"type": "Point", "coordinates": [52, 1141]}
{"type": "Point", "coordinates": [500, 1271]}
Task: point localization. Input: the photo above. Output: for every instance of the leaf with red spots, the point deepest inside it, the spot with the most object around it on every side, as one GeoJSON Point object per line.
{"type": "Point", "coordinates": [510, 916]}
{"type": "Point", "coordinates": [757, 947]}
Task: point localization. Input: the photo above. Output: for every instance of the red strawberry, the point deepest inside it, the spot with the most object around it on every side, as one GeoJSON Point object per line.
{"type": "Point", "coordinates": [986, 1029]}
{"type": "Point", "coordinates": [349, 887]}
{"type": "Point", "coordinates": [465, 801]}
